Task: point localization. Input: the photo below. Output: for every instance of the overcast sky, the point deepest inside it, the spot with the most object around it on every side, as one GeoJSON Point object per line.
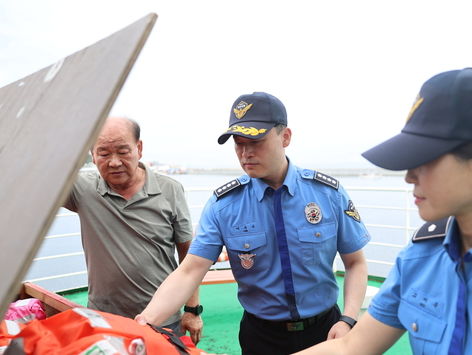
{"type": "Point", "coordinates": [347, 71]}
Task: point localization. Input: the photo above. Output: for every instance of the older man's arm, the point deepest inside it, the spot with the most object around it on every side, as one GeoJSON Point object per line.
{"type": "Point", "coordinates": [176, 289]}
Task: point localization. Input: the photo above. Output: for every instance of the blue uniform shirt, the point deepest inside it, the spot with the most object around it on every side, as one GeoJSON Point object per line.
{"type": "Point", "coordinates": [421, 292]}
{"type": "Point", "coordinates": [243, 220]}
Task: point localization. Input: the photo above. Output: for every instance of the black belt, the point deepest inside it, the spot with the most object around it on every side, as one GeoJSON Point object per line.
{"type": "Point", "coordinates": [291, 326]}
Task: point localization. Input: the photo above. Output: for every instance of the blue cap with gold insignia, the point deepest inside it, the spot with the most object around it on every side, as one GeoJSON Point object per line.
{"type": "Point", "coordinates": [254, 115]}
{"type": "Point", "coordinates": [439, 122]}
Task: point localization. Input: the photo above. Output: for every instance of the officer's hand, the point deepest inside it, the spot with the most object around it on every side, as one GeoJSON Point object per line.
{"type": "Point", "coordinates": [194, 324]}
{"type": "Point", "coordinates": [338, 330]}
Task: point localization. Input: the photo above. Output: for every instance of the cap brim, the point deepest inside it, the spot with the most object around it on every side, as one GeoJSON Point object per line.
{"type": "Point", "coordinates": [408, 151]}
{"type": "Point", "coordinates": [251, 130]}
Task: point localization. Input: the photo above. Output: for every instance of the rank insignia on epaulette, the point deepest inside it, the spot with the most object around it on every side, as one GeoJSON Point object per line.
{"type": "Point", "coordinates": [220, 191]}
{"type": "Point", "coordinates": [432, 230]}
{"type": "Point", "coordinates": [327, 180]}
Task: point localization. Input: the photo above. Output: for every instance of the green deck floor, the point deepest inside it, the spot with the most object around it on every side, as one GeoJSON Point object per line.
{"type": "Point", "coordinates": [223, 313]}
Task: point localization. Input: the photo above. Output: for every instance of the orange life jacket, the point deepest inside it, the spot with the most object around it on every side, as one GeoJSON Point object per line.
{"type": "Point", "coordinates": [85, 331]}
{"type": "Point", "coordinates": [8, 330]}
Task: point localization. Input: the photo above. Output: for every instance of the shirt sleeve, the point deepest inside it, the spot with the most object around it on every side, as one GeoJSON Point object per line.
{"type": "Point", "coordinates": [183, 229]}
{"type": "Point", "coordinates": [208, 241]}
{"type": "Point", "coordinates": [71, 202]}
{"type": "Point", "coordinates": [352, 233]}
{"type": "Point", "coordinates": [384, 306]}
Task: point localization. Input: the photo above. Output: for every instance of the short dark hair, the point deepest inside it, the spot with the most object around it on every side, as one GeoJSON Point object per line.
{"type": "Point", "coordinates": [464, 151]}
{"type": "Point", "coordinates": [280, 127]}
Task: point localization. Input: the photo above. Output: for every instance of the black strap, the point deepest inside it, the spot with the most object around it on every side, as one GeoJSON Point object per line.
{"type": "Point", "coordinates": [174, 339]}
{"type": "Point", "coordinates": [346, 319]}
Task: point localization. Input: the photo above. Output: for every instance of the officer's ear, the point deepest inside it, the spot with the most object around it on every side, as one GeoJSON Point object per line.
{"type": "Point", "coordinates": [286, 137]}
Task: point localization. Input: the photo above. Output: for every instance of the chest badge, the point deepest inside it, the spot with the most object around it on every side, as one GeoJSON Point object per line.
{"type": "Point", "coordinates": [313, 213]}
{"type": "Point", "coordinates": [247, 260]}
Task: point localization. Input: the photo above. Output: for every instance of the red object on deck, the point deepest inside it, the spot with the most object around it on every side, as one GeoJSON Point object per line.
{"type": "Point", "coordinates": [80, 330]}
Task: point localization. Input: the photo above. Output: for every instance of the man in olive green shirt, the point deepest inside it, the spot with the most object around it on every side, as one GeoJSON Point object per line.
{"type": "Point", "coordinates": [132, 221]}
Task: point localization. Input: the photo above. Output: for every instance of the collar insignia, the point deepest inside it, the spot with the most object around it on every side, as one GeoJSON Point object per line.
{"type": "Point", "coordinates": [241, 109]}
{"type": "Point", "coordinates": [432, 228]}
{"type": "Point", "coordinates": [247, 260]}
{"type": "Point", "coordinates": [352, 212]}
{"type": "Point", "coordinates": [313, 213]}
{"type": "Point", "coordinates": [418, 101]}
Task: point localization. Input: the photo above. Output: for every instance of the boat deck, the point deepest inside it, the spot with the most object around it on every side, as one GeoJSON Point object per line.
{"type": "Point", "coordinates": [223, 313]}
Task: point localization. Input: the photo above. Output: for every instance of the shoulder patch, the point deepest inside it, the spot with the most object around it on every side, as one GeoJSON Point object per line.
{"type": "Point", "coordinates": [326, 179]}
{"type": "Point", "coordinates": [229, 186]}
{"type": "Point", "coordinates": [432, 230]}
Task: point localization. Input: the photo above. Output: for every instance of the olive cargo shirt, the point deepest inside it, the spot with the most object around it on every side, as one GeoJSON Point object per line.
{"type": "Point", "coordinates": [129, 245]}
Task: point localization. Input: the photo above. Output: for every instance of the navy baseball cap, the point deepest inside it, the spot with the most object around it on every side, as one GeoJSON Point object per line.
{"type": "Point", "coordinates": [254, 115]}
{"type": "Point", "coordinates": [439, 121]}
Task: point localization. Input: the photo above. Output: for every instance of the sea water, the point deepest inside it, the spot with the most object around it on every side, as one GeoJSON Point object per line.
{"type": "Point", "coordinates": [385, 204]}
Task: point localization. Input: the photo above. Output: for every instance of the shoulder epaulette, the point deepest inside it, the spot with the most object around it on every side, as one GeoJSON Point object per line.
{"type": "Point", "coordinates": [432, 230]}
{"type": "Point", "coordinates": [326, 179]}
{"type": "Point", "coordinates": [229, 186]}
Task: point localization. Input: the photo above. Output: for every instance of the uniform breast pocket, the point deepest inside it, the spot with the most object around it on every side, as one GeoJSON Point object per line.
{"type": "Point", "coordinates": [247, 243]}
{"type": "Point", "coordinates": [426, 331]}
{"type": "Point", "coordinates": [317, 241]}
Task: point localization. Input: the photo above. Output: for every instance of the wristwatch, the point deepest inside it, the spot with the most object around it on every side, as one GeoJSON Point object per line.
{"type": "Point", "coordinates": [346, 319]}
{"type": "Point", "coordinates": [197, 310]}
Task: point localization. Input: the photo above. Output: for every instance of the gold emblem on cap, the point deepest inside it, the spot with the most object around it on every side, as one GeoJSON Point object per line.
{"type": "Point", "coordinates": [241, 109]}
{"type": "Point", "coordinates": [248, 131]}
{"type": "Point", "coordinates": [418, 101]}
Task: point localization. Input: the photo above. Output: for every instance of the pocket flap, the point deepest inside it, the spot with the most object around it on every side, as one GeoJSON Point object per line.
{"type": "Point", "coordinates": [420, 324]}
{"type": "Point", "coordinates": [246, 242]}
{"type": "Point", "coordinates": [318, 233]}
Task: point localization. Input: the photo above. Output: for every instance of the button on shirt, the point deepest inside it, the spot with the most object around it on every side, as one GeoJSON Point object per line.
{"type": "Point", "coordinates": [421, 293]}
{"type": "Point", "coordinates": [243, 220]}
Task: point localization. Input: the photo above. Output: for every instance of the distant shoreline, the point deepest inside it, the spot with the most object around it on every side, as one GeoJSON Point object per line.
{"type": "Point", "coordinates": [335, 172]}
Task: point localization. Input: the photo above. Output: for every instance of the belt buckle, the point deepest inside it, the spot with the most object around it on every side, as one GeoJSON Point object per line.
{"type": "Point", "coordinates": [295, 326]}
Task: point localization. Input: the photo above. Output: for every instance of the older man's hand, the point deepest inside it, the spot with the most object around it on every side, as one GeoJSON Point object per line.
{"type": "Point", "coordinates": [194, 324]}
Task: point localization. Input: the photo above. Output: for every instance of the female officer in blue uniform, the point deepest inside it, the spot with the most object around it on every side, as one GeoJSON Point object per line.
{"type": "Point", "coordinates": [282, 227]}
{"type": "Point", "coordinates": [428, 292]}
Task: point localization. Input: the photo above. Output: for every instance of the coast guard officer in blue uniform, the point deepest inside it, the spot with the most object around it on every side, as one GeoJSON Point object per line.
{"type": "Point", "coordinates": [282, 227]}
{"type": "Point", "coordinates": [428, 292]}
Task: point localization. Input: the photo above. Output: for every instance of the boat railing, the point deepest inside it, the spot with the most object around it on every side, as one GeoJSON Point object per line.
{"type": "Point", "coordinates": [389, 235]}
